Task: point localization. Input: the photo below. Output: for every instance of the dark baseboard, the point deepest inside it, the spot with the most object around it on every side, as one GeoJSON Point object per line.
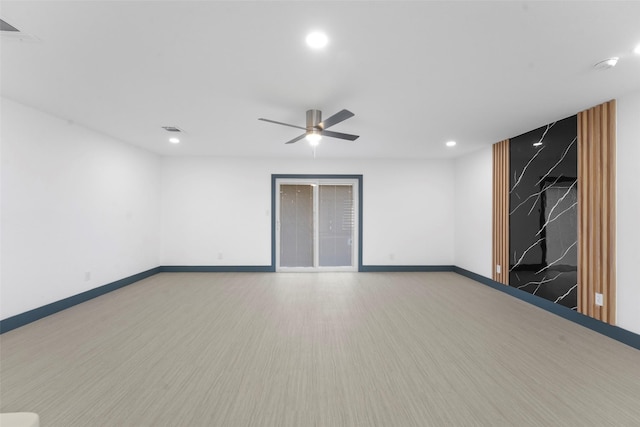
{"type": "Point", "coordinates": [404, 268]}
{"type": "Point", "coordinates": [22, 319]}
{"type": "Point", "coordinates": [217, 269]}
{"type": "Point", "coordinates": [270, 268]}
{"type": "Point", "coordinates": [624, 336]}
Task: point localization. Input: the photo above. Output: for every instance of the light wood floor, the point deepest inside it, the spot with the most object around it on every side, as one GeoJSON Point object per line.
{"type": "Point", "coordinates": [331, 349]}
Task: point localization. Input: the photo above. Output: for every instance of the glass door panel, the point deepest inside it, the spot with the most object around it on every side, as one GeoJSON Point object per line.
{"type": "Point", "coordinates": [296, 226]}
{"type": "Point", "coordinates": [335, 225]}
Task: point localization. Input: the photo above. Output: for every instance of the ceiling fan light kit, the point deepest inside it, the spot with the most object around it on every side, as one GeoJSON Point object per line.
{"type": "Point", "coordinates": [316, 128]}
{"type": "Point", "coordinates": [313, 137]}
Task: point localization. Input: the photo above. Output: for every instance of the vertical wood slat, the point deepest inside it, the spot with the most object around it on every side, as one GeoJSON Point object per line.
{"type": "Point", "coordinates": [500, 250]}
{"type": "Point", "coordinates": [611, 212]}
{"type": "Point", "coordinates": [596, 211]}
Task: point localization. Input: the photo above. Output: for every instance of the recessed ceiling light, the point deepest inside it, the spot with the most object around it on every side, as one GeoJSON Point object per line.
{"type": "Point", "coordinates": [174, 140]}
{"type": "Point", "coordinates": [317, 40]}
{"type": "Point", "coordinates": [451, 144]}
{"type": "Point", "coordinates": [637, 49]}
{"type": "Point", "coordinates": [606, 64]}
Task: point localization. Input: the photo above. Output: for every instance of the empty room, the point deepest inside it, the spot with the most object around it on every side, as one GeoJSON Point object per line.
{"type": "Point", "coordinates": [319, 213]}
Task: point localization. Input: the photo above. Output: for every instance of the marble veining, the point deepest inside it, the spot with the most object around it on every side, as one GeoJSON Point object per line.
{"type": "Point", "coordinates": [559, 161]}
{"type": "Point", "coordinates": [543, 212]}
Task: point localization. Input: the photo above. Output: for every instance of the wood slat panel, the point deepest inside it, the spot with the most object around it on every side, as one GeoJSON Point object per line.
{"type": "Point", "coordinates": [500, 255]}
{"type": "Point", "coordinates": [596, 211]}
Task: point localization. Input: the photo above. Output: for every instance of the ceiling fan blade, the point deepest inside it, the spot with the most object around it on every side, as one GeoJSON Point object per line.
{"type": "Point", "coordinates": [296, 139]}
{"type": "Point", "coordinates": [339, 135]}
{"type": "Point", "coordinates": [283, 124]}
{"type": "Point", "coordinates": [335, 119]}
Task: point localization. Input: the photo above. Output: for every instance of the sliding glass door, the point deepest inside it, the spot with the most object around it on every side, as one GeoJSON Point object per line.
{"type": "Point", "coordinates": [296, 225]}
{"type": "Point", "coordinates": [316, 225]}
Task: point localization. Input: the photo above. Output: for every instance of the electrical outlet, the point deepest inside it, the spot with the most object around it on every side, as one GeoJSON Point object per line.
{"type": "Point", "coordinates": [498, 269]}
{"type": "Point", "coordinates": [220, 255]}
{"type": "Point", "coordinates": [599, 299]}
{"type": "Point", "coordinates": [87, 276]}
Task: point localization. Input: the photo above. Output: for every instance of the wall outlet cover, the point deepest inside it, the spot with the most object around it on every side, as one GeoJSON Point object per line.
{"type": "Point", "coordinates": [599, 299]}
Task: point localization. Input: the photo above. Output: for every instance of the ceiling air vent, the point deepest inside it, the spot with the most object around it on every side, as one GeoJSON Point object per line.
{"type": "Point", "coordinates": [5, 26]}
{"type": "Point", "coordinates": [9, 32]}
{"type": "Point", "coordinates": [171, 129]}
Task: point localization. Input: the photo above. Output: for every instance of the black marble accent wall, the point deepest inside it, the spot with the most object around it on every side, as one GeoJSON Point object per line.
{"type": "Point", "coordinates": [543, 212]}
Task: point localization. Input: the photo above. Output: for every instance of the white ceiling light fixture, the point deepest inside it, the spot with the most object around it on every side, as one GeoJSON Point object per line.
{"type": "Point", "coordinates": [313, 138]}
{"type": "Point", "coordinates": [606, 64]}
{"type": "Point", "coordinates": [174, 140]}
{"type": "Point", "coordinates": [451, 144]}
{"type": "Point", "coordinates": [637, 49]}
{"type": "Point", "coordinates": [317, 40]}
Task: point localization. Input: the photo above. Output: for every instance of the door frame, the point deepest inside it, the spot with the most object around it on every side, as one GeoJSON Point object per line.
{"type": "Point", "coordinates": [302, 177]}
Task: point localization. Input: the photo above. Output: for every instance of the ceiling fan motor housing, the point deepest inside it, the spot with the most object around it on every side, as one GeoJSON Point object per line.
{"type": "Point", "coordinates": [314, 117]}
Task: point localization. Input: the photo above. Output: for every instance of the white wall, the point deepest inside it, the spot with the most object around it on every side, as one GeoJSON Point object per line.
{"type": "Point", "coordinates": [214, 206]}
{"type": "Point", "coordinates": [220, 205]}
{"type": "Point", "coordinates": [628, 212]}
{"type": "Point", "coordinates": [73, 202]}
{"type": "Point", "coordinates": [473, 207]}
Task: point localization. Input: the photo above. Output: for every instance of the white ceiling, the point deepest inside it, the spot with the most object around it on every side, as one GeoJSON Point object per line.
{"type": "Point", "coordinates": [415, 74]}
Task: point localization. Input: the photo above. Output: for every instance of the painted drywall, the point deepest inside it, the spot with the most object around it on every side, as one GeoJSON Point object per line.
{"type": "Point", "coordinates": [473, 195]}
{"type": "Point", "coordinates": [79, 209]}
{"type": "Point", "coordinates": [217, 211]}
{"type": "Point", "coordinates": [628, 212]}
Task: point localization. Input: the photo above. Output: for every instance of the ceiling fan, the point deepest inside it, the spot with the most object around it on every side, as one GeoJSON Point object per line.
{"type": "Point", "coordinates": [316, 127]}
